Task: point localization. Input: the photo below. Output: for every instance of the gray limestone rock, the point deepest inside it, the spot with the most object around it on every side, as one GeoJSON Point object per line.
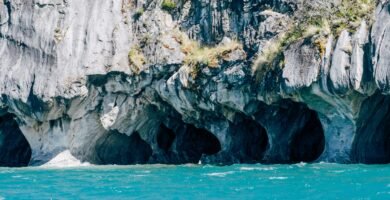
{"type": "Point", "coordinates": [301, 65]}
{"type": "Point", "coordinates": [127, 82]}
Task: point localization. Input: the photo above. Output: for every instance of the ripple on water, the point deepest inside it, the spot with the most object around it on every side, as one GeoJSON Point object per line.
{"type": "Point", "coordinates": [146, 171]}
{"type": "Point", "coordinates": [140, 175]}
{"type": "Point", "coordinates": [6, 171]}
{"type": "Point", "coordinates": [278, 178]}
{"type": "Point", "coordinates": [244, 188]}
{"type": "Point", "coordinates": [338, 171]}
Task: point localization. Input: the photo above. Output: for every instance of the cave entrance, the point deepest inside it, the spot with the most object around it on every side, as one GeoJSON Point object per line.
{"type": "Point", "coordinates": [372, 141]}
{"type": "Point", "coordinates": [15, 151]}
{"type": "Point", "coordinates": [308, 143]}
{"type": "Point", "coordinates": [249, 141]}
{"type": "Point", "coordinates": [165, 138]}
{"type": "Point", "coordinates": [195, 142]}
{"type": "Point", "coordinates": [120, 149]}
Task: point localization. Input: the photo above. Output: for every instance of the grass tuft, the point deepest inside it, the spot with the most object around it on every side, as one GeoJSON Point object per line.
{"type": "Point", "coordinates": [136, 60]}
{"type": "Point", "coordinates": [168, 5]}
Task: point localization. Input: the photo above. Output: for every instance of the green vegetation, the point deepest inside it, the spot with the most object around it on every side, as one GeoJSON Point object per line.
{"type": "Point", "coordinates": [168, 5]}
{"type": "Point", "coordinates": [317, 21]}
{"type": "Point", "coordinates": [136, 60]}
{"type": "Point", "coordinates": [198, 56]}
{"type": "Point", "coordinates": [209, 56]}
{"type": "Point", "coordinates": [346, 16]}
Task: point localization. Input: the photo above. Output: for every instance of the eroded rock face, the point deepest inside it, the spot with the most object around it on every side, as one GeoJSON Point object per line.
{"type": "Point", "coordinates": [120, 82]}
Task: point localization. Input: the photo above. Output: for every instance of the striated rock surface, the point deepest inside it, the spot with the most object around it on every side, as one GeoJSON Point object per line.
{"type": "Point", "coordinates": [128, 82]}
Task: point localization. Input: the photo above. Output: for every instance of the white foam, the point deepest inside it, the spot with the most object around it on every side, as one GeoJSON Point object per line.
{"type": "Point", "coordinates": [301, 164]}
{"type": "Point", "coordinates": [65, 159]}
{"type": "Point", "coordinates": [220, 174]}
{"type": "Point", "coordinates": [278, 178]}
{"type": "Point", "coordinates": [247, 168]}
{"type": "Point", "coordinates": [256, 168]}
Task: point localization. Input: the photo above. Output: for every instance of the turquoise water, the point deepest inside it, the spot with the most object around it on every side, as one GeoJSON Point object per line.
{"type": "Point", "coordinates": [301, 181]}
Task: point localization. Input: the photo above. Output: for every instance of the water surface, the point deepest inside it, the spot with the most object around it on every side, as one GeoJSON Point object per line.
{"type": "Point", "coordinates": [301, 181]}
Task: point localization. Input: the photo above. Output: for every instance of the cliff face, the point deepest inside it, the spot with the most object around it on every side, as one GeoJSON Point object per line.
{"type": "Point", "coordinates": [221, 82]}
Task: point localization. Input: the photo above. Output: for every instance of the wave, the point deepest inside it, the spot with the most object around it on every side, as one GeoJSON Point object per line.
{"type": "Point", "coordinates": [63, 160]}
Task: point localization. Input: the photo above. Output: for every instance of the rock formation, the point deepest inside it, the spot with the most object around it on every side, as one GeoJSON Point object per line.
{"type": "Point", "coordinates": [188, 81]}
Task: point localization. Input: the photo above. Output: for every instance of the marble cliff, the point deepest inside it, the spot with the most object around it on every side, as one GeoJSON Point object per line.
{"type": "Point", "coordinates": [189, 81]}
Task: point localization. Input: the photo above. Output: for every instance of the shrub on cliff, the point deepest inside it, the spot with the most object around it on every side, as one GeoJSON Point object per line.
{"type": "Point", "coordinates": [197, 56]}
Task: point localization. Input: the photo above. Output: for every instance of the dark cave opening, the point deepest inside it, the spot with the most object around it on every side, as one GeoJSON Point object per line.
{"type": "Point", "coordinates": [308, 143]}
{"type": "Point", "coordinates": [372, 141]}
{"type": "Point", "coordinates": [195, 142]}
{"type": "Point", "coordinates": [165, 137]}
{"type": "Point", "coordinates": [249, 141]}
{"type": "Point", "coordinates": [183, 143]}
{"type": "Point", "coordinates": [15, 151]}
{"type": "Point", "coordinates": [120, 149]}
